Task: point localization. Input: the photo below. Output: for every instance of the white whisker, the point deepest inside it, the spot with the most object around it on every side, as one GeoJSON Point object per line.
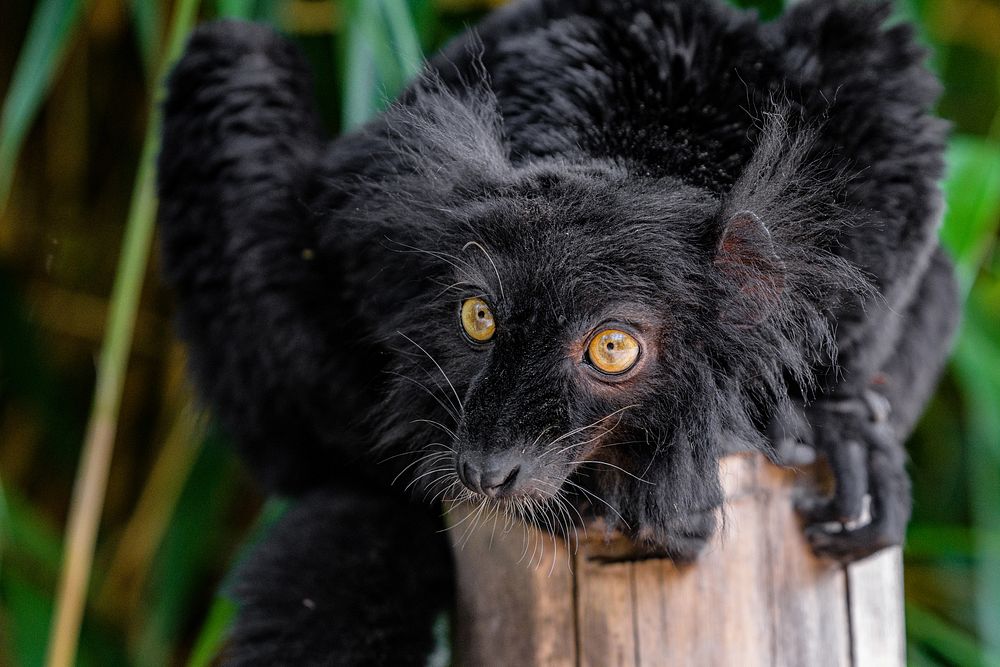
{"type": "Point", "coordinates": [443, 374]}
{"type": "Point", "coordinates": [495, 270]}
{"type": "Point", "coordinates": [438, 425]}
{"type": "Point", "coordinates": [598, 498]}
{"type": "Point", "coordinates": [450, 411]}
{"type": "Point", "coordinates": [612, 465]}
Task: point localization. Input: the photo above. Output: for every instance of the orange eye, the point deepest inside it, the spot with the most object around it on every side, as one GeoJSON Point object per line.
{"type": "Point", "coordinates": [477, 320]}
{"type": "Point", "coordinates": [613, 351]}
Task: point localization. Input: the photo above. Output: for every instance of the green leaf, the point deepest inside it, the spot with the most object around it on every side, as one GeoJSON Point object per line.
{"type": "Point", "coordinates": [28, 607]}
{"type": "Point", "coordinates": [917, 657]}
{"type": "Point", "coordinates": [28, 379]}
{"type": "Point", "coordinates": [977, 368]}
{"type": "Point", "coordinates": [426, 22]}
{"type": "Point", "coordinates": [441, 656]}
{"type": "Point", "coordinates": [4, 524]}
{"type": "Point", "coordinates": [51, 30]}
{"type": "Point", "coordinates": [237, 9]}
{"type": "Point", "coordinates": [247, 10]}
{"type": "Point", "coordinates": [27, 536]}
{"type": "Point", "coordinates": [972, 196]}
{"type": "Point", "coordinates": [213, 632]}
{"type": "Point", "coordinates": [958, 647]}
{"type": "Point", "coordinates": [182, 559]}
{"type": "Point", "coordinates": [934, 541]}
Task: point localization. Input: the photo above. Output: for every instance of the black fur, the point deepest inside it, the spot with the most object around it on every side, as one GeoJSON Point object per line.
{"type": "Point", "coordinates": [322, 564]}
{"type": "Point", "coordinates": [756, 203]}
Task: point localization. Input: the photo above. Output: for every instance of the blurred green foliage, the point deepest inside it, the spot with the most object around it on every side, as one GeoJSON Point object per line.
{"type": "Point", "coordinates": [77, 78]}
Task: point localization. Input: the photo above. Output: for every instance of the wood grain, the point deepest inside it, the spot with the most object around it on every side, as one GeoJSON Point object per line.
{"type": "Point", "coordinates": [507, 606]}
{"type": "Point", "coordinates": [756, 597]}
{"type": "Point", "coordinates": [875, 586]}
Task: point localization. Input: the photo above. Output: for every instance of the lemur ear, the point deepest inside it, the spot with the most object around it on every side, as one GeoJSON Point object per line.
{"type": "Point", "coordinates": [747, 259]}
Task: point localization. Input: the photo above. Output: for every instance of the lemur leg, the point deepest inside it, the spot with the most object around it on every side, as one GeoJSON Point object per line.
{"type": "Point", "coordinates": [861, 428]}
{"type": "Point", "coordinates": [345, 578]}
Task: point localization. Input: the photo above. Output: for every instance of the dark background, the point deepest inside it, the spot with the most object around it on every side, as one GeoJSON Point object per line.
{"type": "Point", "coordinates": [76, 82]}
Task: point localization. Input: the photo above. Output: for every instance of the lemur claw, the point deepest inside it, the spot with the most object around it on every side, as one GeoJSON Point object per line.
{"type": "Point", "coordinates": [850, 544]}
{"type": "Point", "coordinates": [870, 503]}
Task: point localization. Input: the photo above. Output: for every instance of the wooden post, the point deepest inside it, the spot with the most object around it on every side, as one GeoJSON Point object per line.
{"type": "Point", "coordinates": [757, 596]}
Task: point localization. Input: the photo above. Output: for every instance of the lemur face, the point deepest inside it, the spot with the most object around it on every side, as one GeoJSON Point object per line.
{"type": "Point", "coordinates": [557, 366]}
{"type": "Point", "coordinates": [562, 332]}
{"type": "Point", "coordinates": [550, 395]}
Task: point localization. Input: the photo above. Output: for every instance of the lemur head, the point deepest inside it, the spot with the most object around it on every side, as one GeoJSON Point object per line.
{"type": "Point", "coordinates": [584, 326]}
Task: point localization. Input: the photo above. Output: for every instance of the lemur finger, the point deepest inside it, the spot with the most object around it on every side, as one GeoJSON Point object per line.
{"type": "Point", "coordinates": [849, 463]}
{"type": "Point", "coordinates": [890, 488]}
{"type": "Point", "coordinates": [890, 495]}
{"type": "Point", "coordinates": [885, 529]}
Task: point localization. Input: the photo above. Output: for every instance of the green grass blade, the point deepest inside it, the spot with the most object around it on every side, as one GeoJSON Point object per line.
{"type": "Point", "coordinates": [213, 632]}
{"type": "Point", "coordinates": [380, 52]}
{"type": "Point", "coordinates": [404, 34]}
{"type": "Point", "coordinates": [368, 64]}
{"type": "Point", "coordinates": [89, 489]}
{"type": "Point", "coordinates": [360, 79]}
{"type": "Point", "coordinates": [51, 30]}
{"type": "Point", "coordinates": [147, 17]}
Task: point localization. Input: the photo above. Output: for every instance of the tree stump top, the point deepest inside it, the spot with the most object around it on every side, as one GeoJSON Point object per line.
{"type": "Point", "coordinates": [756, 596]}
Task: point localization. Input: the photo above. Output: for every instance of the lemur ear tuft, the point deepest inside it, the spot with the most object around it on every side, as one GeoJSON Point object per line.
{"type": "Point", "coordinates": [746, 258]}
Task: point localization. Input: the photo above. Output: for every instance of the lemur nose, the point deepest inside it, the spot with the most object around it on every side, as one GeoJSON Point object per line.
{"type": "Point", "coordinates": [493, 476]}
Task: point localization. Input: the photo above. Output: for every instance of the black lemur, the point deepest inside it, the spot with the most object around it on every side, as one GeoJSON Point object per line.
{"type": "Point", "coordinates": [596, 244]}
